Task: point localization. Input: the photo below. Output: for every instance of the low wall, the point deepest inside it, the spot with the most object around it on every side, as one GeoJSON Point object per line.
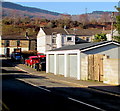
{"type": "Point", "coordinates": [111, 70]}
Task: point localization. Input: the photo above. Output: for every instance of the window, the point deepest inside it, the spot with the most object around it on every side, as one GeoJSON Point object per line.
{"type": "Point", "coordinates": [69, 38]}
{"type": "Point", "coordinates": [54, 39]}
{"type": "Point", "coordinates": [7, 43]}
{"type": "Point", "coordinates": [18, 42]}
{"type": "Point", "coordinates": [87, 39]}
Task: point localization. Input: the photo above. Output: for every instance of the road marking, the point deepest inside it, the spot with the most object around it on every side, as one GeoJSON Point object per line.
{"type": "Point", "coordinates": [44, 89]}
{"type": "Point", "coordinates": [75, 100]}
{"type": "Point", "coordinates": [34, 85]}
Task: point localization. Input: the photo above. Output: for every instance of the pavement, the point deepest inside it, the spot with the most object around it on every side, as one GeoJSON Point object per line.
{"type": "Point", "coordinates": [98, 86]}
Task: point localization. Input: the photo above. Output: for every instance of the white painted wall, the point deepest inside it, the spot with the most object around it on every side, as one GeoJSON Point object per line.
{"type": "Point", "coordinates": [41, 41]}
{"type": "Point", "coordinates": [2, 51]}
{"type": "Point", "coordinates": [59, 40]}
{"type": "Point", "coordinates": [41, 44]}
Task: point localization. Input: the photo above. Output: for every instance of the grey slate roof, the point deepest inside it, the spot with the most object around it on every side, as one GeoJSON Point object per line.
{"type": "Point", "coordinates": [80, 32]}
{"type": "Point", "coordinates": [81, 46]}
{"type": "Point", "coordinates": [17, 37]}
{"type": "Point", "coordinates": [85, 32]}
{"type": "Point", "coordinates": [49, 31]}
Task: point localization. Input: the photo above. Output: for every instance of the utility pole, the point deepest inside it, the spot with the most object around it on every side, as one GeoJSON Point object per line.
{"type": "Point", "coordinates": [86, 11]}
{"type": "Point", "coordinates": [112, 23]}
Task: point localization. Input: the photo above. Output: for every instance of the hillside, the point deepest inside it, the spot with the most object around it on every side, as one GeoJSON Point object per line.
{"type": "Point", "coordinates": [9, 8]}
{"type": "Point", "coordinates": [12, 9]}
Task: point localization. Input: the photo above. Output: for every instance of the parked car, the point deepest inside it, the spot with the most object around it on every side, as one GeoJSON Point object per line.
{"type": "Point", "coordinates": [32, 60]}
{"type": "Point", "coordinates": [16, 56]}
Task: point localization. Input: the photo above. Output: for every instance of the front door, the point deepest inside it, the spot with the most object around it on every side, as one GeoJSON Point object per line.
{"type": "Point", "coordinates": [7, 52]}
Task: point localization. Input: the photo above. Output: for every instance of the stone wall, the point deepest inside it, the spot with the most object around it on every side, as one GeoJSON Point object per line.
{"type": "Point", "coordinates": [111, 70]}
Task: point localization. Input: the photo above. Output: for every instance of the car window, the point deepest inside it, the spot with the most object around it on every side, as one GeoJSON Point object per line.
{"type": "Point", "coordinates": [41, 54]}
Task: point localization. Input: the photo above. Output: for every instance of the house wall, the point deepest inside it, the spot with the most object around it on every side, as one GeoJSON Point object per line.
{"type": "Point", "coordinates": [2, 51]}
{"type": "Point", "coordinates": [41, 41]}
{"type": "Point", "coordinates": [109, 50]}
{"type": "Point", "coordinates": [24, 45]}
{"type": "Point", "coordinates": [59, 40]}
{"type": "Point", "coordinates": [33, 45]}
{"type": "Point", "coordinates": [41, 44]}
{"type": "Point", "coordinates": [48, 45]}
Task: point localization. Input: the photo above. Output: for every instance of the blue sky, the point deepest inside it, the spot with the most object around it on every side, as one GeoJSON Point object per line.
{"type": "Point", "coordinates": [72, 7]}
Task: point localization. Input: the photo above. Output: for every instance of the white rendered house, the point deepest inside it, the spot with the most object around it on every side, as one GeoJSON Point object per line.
{"type": "Point", "coordinates": [48, 39]}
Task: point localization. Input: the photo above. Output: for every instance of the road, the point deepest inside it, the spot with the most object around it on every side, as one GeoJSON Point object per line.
{"type": "Point", "coordinates": [20, 93]}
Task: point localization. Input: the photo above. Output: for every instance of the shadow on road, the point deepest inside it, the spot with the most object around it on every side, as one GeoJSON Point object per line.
{"type": "Point", "coordinates": [10, 74]}
{"type": "Point", "coordinates": [11, 63]}
{"type": "Point", "coordinates": [15, 76]}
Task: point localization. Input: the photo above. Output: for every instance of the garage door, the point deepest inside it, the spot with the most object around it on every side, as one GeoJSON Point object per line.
{"type": "Point", "coordinates": [51, 63]}
{"type": "Point", "coordinates": [73, 65]}
{"type": "Point", "coordinates": [61, 64]}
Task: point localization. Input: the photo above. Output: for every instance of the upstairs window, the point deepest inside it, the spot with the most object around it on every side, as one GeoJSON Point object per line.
{"type": "Point", "coordinates": [53, 39]}
{"type": "Point", "coordinates": [69, 39]}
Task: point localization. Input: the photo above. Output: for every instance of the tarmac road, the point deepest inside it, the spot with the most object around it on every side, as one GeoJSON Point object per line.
{"type": "Point", "coordinates": [36, 93]}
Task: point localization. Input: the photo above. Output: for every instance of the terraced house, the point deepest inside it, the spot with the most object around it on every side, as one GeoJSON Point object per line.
{"type": "Point", "coordinates": [12, 42]}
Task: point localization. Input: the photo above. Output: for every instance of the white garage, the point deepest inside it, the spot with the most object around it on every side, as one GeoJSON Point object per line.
{"type": "Point", "coordinates": [66, 60]}
{"type": "Point", "coordinates": [64, 63]}
{"type": "Point", "coordinates": [61, 64]}
{"type": "Point", "coordinates": [51, 63]}
{"type": "Point", "coordinates": [73, 65]}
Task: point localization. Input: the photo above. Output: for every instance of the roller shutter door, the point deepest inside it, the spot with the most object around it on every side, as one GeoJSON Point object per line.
{"type": "Point", "coordinates": [73, 65]}
{"type": "Point", "coordinates": [61, 64]}
{"type": "Point", "coordinates": [51, 63]}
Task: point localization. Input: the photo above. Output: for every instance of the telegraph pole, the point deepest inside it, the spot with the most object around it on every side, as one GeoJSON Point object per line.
{"type": "Point", "coordinates": [112, 21]}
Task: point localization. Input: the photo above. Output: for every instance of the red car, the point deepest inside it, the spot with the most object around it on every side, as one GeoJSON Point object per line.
{"type": "Point", "coordinates": [32, 60]}
{"type": "Point", "coordinates": [40, 55]}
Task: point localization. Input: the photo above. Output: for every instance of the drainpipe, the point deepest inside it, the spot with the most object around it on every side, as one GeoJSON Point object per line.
{"type": "Point", "coordinates": [27, 36]}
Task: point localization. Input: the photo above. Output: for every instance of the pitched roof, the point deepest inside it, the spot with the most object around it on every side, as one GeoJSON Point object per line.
{"type": "Point", "coordinates": [17, 37]}
{"type": "Point", "coordinates": [50, 31]}
{"type": "Point", "coordinates": [80, 32]}
{"type": "Point", "coordinates": [83, 46]}
{"type": "Point", "coordinates": [86, 32]}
